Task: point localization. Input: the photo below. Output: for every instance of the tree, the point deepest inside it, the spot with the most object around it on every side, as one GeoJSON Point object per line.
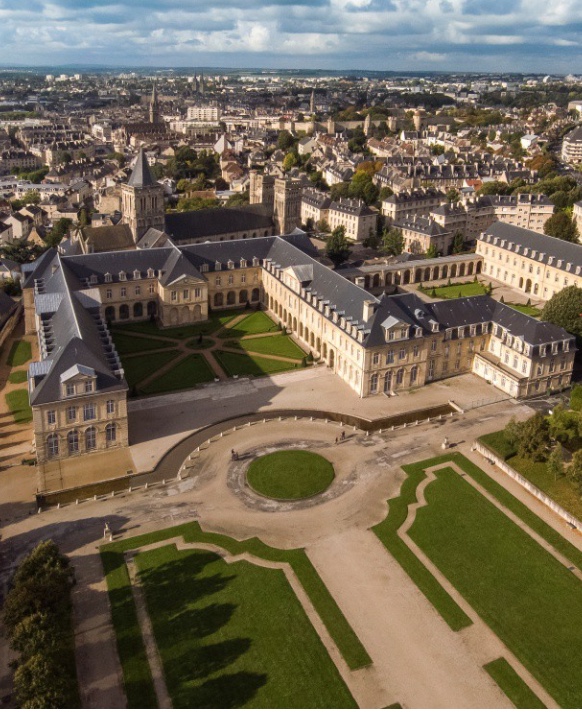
{"type": "Point", "coordinates": [41, 683]}
{"type": "Point", "coordinates": [565, 309]}
{"type": "Point", "coordinates": [337, 246]}
{"type": "Point", "coordinates": [392, 242]}
{"type": "Point", "coordinates": [290, 161]}
{"type": "Point", "coordinates": [362, 187]}
{"type": "Point", "coordinates": [59, 230]}
{"type": "Point", "coordinates": [339, 190]}
{"type": "Point", "coordinates": [458, 243]}
{"type": "Point", "coordinates": [432, 252]}
{"type": "Point", "coordinates": [285, 141]}
{"type": "Point", "coordinates": [31, 197]}
{"type": "Point", "coordinates": [575, 471]}
{"type": "Point", "coordinates": [562, 227]}
{"type": "Point", "coordinates": [530, 438]}
{"type": "Point", "coordinates": [564, 425]}
{"type": "Point", "coordinates": [385, 192]}
{"type": "Point", "coordinates": [323, 225]}
{"type": "Point", "coordinates": [555, 463]}
{"type": "Point", "coordinates": [452, 195]}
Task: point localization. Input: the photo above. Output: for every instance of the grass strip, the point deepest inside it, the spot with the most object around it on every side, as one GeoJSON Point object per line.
{"type": "Point", "coordinates": [137, 676]}
{"type": "Point", "coordinates": [512, 685]}
{"type": "Point", "coordinates": [387, 532]}
{"type": "Point", "coordinates": [17, 402]}
{"type": "Point", "coordinates": [244, 364]}
{"type": "Point", "coordinates": [187, 373]}
{"type": "Point", "coordinates": [20, 353]}
{"type": "Point", "coordinates": [126, 344]}
{"type": "Point", "coordinates": [338, 627]}
{"type": "Point", "coordinates": [255, 323]}
{"type": "Point", "coordinates": [138, 368]}
{"type": "Point", "coordinates": [278, 345]}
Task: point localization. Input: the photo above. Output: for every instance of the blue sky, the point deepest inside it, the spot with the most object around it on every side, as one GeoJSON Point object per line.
{"type": "Point", "coordinates": [479, 35]}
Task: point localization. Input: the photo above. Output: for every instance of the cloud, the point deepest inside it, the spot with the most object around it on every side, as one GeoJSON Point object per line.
{"type": "Point", "coordinates": [504, 35]}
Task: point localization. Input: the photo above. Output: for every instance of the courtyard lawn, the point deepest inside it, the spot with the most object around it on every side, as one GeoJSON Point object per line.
{"type": "Point", "coordinates": [531, 601]}
{"type": "Point", "coordinates": [187, 373]}
{"type": "Point", "coordinates": [17, 402]}
{"type": "Point", "coordinates": [277, 345]}
{"type": "Point", "coordinates": [512, 685]}
{"type": "Point", "coordinates": [461, 289]}
{"type": "Point", "coordinates": [525, 309]}
{"type": "Point", "coordinates": [136, 672]}
{"type": "Point", "coordinates": [246, 365]}
{"type": "Point", "coordinates": [234, 635]}
{"type": "Point", "coordinates": [126, 344]}
{"type": "Point", "coordinates": [200, 345]}
{"type": "Point", "coordinates": [290, 474]}
{"type": "Point", "coordinates": [255, 323]}
{"type": "Point", "coordinates": [187, 331]}
{"type": "Point", "coordinates": [139, 367]}
{"type": "Point", "coordinates": [561, 490]}
{"type": "Point", "coordinates": [20, 353]}
{"type": "Point", "coordinates": [17, 377]}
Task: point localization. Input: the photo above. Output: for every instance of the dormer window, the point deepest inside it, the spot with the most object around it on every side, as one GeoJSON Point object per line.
{"type": "Point", "coordinates": [108, 277]}
{"type": "Point", "coordinates": [403, 333]}
{"type": "Point", "coordinates": [70, 389]}
{"type": "Point", "coordinates": [88, 386]}
{"type": "Point", "coordinates": [122, 276]}
{"type": "Point", "coordinates": [543, 350]}
{"type": "Point", "coordinates": [435, 326]}
{"type": "Point", "coordinates": [93, 279]}
{"type": "Point", "coordinates": [204, 267]}
{"type": "Point", "coordinates": [243, 264]}
{"type": "Point", "coordinates": [217, 266]}
{"type": "Point", "coordinates": [418, 332]}
{"type": "Point", "coordinates": [151, 273]}
{"type": "Point", "coordinates": [559, 264]}
{"type": "Point", "coordinates": [136, 274]}
{"type": "Point", "coordinates": [566, 346]}
{"type": "Point", "coordinates": [255, 261]}
{"type": "Point", "coordinates": [230, 264]}
{"type": "Point", "coordinates": [550, 260]}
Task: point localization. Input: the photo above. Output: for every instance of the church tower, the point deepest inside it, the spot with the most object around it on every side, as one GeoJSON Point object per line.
{"type": "Point", "coordinates": [142, 200]}
{"type": "Point", "coordinates": [287, 205]}
{"type": "Point", "coordinates": [155, 117]}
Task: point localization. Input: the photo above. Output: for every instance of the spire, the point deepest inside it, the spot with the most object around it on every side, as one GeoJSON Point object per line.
{"type": "Point", "coordinates": [154, 106]}
{"type": "Point", "coordinates": [141, 175]}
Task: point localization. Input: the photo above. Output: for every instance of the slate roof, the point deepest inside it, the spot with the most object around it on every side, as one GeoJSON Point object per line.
{"type": "Point", "coordinates": [197, 224]}
{"type": "Point", "coordinates": [108, 237]}
{"type": "Point", "coordinates": [141, 175]}
{"type": "Point", "coordinates": [535, 246]}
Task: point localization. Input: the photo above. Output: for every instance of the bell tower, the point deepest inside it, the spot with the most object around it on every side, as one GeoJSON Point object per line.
{"type": "Point", "coordinates": [155, 107]}
{"type": "Point", "coordinates": [142, 200]}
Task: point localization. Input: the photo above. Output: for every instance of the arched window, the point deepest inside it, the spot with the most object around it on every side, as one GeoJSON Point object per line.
{"type": "Point", "coordinates": [138, 309]}
{"type": "Point", "coordinates": [388, 382]}
{"type": "Point", "coordinates": [110, 433]}
{"type": "Point", "coordinates": [52, 445]}
{"type": "Point", "coordinates": [218, 299]}
{"type": "Point", "coordinates": [90, 438]}
{"type": "Point", "coordinates": [374, 383]}
{"type": "Point", "coordinates": [124, 311]}
{"type": "Point", "coordinates": [255, 295]}
{"type": "Point", "coordinates": [400, 377]}
{"type": "Point", "coordinates": [73, 441]}
{"type": "Point", "coordinates": [413, 374]}
{"type": "Point", "coordinates": [109, 313]}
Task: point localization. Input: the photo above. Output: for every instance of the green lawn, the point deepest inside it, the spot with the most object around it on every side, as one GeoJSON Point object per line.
{"type": "Point", "coordinates": [525, 309]}
{"type": "Point", "coordinates": [199, 345]}
{"type": "Point", "coordinates": [461, 289]}
{"type": "Point", "coordinates": [512, 685]}
{"type": "Point", "coordinates": [136, 672]}
{"type": "Point", "coordinates": [187, 373]}
{"type": "Point", "coordinates": [234, 635]}
{"type": "Point", "coordinates": [290, 474]}
{"type": "Point", "coordinates": [255, 323]}
{"type": "Point", "coordinates": [17, 402]}
{"type": "Point", "coordinates": [279, 345]}
{"type": "Point", "coordinates": [387, 532]}
{"type": "Point", "coordinates": [150, 328]}
{"type": "Point", "coordinates": [561, 490]}
{"type": "Point", "coordinates": [246, 365]}
{"type": "Point", "coordinates": [20, 353]}
{"type": "Point", "coordinates": [126, 344]}
{"type": "Point", "coordinates": [17, 377]}
{"type": "Point", "coordinates": [139, 367]}
{"type": "Point", "coordinates": [532, 602]}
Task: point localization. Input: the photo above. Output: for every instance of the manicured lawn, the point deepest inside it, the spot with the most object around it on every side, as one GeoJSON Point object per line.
{"type": "Point", "coordinates": [136, 672]}
{"type": "Point", "coordinates": [150, 328]}
{"type": "Point", "coordinates": [461, 289]}
{"type": "Point", "coordinates": [199, 345]}
{"type": "Point", "coordinates": [19, 406]}
{"type": "Point", "coordinates": [525, 309]}
{"type": "Point", "coordinates": [561, 490]}
{"type": "Point", "coordinates": [276, 345]}
{"type": "Point", "coordinates": [387, 532]}
{"type": "Point", "coordinates": [17, 377]}
{"type": "Point", "coordinates": [255, 323]}
{"type": "Point", "coordinates": [532, 602]}
{"type": "Point", "coordinates": [234, 635]}
{"type": "Point", "coordinates": [290, 474]}
{"type": "Point", "coordinates": [247, 365]}
{"type": "Point", "coordinates": [20, 353]}
{"type": "Point", "coordinates": [187, 373]}
{"type": "Point", "coordinates": [139, 367]}
{"type": "Point", "coordinates": [512, 685]}
{"type": "Point", "coordinates": [125, 344]}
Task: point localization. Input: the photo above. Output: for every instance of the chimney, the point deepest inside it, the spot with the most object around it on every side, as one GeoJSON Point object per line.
{"type": "Point", "coordinates": [368, 310]}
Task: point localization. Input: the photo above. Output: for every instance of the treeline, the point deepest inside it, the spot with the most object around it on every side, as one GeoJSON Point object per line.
{"type": "Point", "coordinates": [37, 617]}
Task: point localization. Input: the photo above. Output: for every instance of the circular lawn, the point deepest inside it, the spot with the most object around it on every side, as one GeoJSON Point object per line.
{"type": "Point", "coordinates": [290, 474]}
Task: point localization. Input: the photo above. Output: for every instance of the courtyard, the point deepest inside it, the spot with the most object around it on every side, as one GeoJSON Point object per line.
{"type": "Point", "coordinates": [230, 344]}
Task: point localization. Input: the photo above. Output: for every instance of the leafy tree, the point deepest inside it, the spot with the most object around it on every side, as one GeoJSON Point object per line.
{"type": "Point", "coordinates": [36, 632]}
{"type": "Point", "coordinates": [562, 227]}
{"type": "Point", "coordinates": [576, 397]}
{"type": "Point", "coordinates": [452, 195]}
{"type": "Point", "coordinates": [221, 184]}
{"type": "Point", "coordinates": [494, 187]}
{"type": "Point", "coordinates": [437, 150]}
{"type": "Point", "coordinates": [285, 141]}
{"type": "Point", "coordinates": [59, 230]}
{"type": "Point", "coordinates": [337, 246]}
{"type": "Point", "coordinates": [196, 203]}
{"type": "Point", "coordinates": [339, 190]}
{"type": "Point", "coordinates": [20, 252]}
{"type": "Point", "coordinates": [385, 192]}
{"type": "Point", "coordinates": [458, 244]}
{"type": "Point", "coordinates": [362, 187]}
{"type": "Point", "coordinates": [555, 463]}
{"type": "Point", "coordinates": [290, 161]}
{"type": "Point", "coordinates": [372, 241]}
{"type": "Point", "coordinates": [565, 309]}
{"type": "Point", "coordinates": [392, 242]}
{"type": "Point", "coordinates": [564, 425]}
{"type": "Point", "coordinates": [64, 157]}
{"type": "Point", "coordinates": [530, 438]}
{"type": "Point", "coordinates": [41, 683]}
{"type": "Point", "coordinates": [323, 225]}
{"type": "Point", "coordinates": [575, 471]}
{"type": "Point", "coordinates": [432, 252]}
{"type": "Point", "coordinates": [238, 199]}
{"type": "Point", "coordinates": [31, 197]}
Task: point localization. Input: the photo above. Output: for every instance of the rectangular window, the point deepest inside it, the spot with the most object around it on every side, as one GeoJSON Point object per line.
{"type": "Point", "coordinates": [217, 281]}
{"type": "Point", "coordinates": [88, 386]}
{"type": "Point", "coordinates": [402, 354]}
{"type": "Point", "coordinates": [124, 291]}
{"type": "Point", "coordinates": [51, 417]}
{"type": "Point", "coordinates": [110, 407]}
{"type": "Point", "coordinates": [152, 288]}
{"type": "Point", "coordinates": [197, 292]}
{"type": "Point", "coordinates": [186, 294]}
{"type": "Point", "coordinates": [174, 296]}
{"type": "Point", "coordinates": [416, 351]}
{"type": "Point", "coordinates": [390, 357]}
{"type": "Point", "coordinates": [109, 294]}
{"type": "Point", "coordinates": [71, 413]}
{"type": "Point", "coordinates": [137, 290]}
{"type": "Point", "coordinates": [376, 359]}
{"type": "Point", "coordinates": [243, 279]}
{"type": "Point", "coordinates": [70, 389]}
{"type": "Point", "coordinates": [89, 411]}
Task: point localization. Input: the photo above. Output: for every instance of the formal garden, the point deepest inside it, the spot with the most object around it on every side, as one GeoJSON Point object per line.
{"type": "Point", "coordinates": [290, 474]}
{"type": "Point", "coordinates": [524, 592]}
{"type": "Point", "coordinates": [230, 344]}
{"type": "Point", "coordinates": [228, 634]}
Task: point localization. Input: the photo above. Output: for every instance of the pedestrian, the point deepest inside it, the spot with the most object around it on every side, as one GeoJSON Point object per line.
{"type": "Point", "coordinates": [336, 441]}
{"type": "Point", "coordinates": [343, 435]}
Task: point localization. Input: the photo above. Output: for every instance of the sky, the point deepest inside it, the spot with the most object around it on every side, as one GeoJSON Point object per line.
{"type": "Point", "coordinates": [543, 36]}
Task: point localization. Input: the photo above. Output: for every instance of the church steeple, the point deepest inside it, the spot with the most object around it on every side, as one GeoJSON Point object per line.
{"type": "Point", "coordinates": [154, 107]}
{"type": "Point", "coordinates": [142, 199]}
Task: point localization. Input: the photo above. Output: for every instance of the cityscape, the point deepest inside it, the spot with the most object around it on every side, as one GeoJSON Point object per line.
{"type": "Point", "coordinates": [290, 335]}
